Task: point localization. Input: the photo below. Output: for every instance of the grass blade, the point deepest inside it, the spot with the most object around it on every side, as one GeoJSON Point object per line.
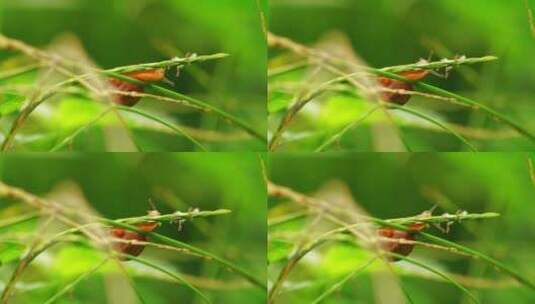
{"type": "Point", "coordinates": [439, 273]}
{"type": "Point", "coordinates": [228, 117]}
{"type": "Point", "coordinates": [440, 241]}
{"type": "Point", "coordinates": [172, 242]}
{"type": "Point", "coordinates": [171, 126]}
{"type": "Point", "coordinates": [497, 264]}
{"type": "Point", "coordinates": [333, 138]}
{"type": "Point", "coordinates": [18, 220]}
{"type": "Point", "coordinates": [171, 274]}
{"type": "Point", "coordinates": [467, 101]}
{"type": "Point", "coordinates": [78, 131]}
{"type": "Point", "coordinates": [340, 283]}
{"type": "Point", "coordinates": [71, 285]}
{"type": "Point", "coordinates": [435, 122]}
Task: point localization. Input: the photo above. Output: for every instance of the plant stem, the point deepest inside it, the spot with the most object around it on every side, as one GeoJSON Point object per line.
{"type": "Point", "coordinates": [278, 41]}
{"type": "Point", "coordinates": [172, 274]}
{"type": "Point", "coordinates": [437, 272]}
{"type": "Point", "coordinates": [433, 121]}
{"type": "Point", "coordinates": [35, 201]}
{"type": "Point", "coordinates": [467, 101]}
{"type": "Point", "coordinates": [71, 285]}
{"type": "Point", "coordinates": [12, 44]}
{"type": "Point", "coordinates": [339, 284]}
{"type": "Point", "coordinates": [443, 63]}
{"type": "Point", "coordinates": [19, 71]}
{"type": "Point", "coordinates": [497, 264]}
{"type": "Point", "coordinates": [171, 126]}
{"type": "Point", "coordinates": [18, 220]}
{"type": "Point", "coordinates": [176, 243]}
{"type": "Point", "coordinates": [321, 206]}
{"type": "Point", "coordinates": [167, 63]}
{"type": "Point", "coordinates": [337, 135]}
{"type": "Point", "coordinates": [173, 216]}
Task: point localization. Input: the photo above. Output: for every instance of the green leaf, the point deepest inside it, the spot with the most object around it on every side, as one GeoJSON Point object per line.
{"type": "Point", "coordinates": [73, 112]}
{"type": "Point", "coordinates": [10, 103]}
{"type": "Point", "coordinates": [278, 102]}
{"type": "Point", "coordinates": [10, 251]}
{"type": "Point", "coordinates": [342, 259]}
{"type": "Point", "coordinates": [340, 110]}
{"type": "Point", "coordinates": [73, 261]}
{"type": "Point", "coordinates": [279, 249]}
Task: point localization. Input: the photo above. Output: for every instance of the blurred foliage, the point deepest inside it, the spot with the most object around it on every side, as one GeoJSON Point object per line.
{"type": "Point", "coordinates": [118, 185]}
{"type": "Point", "coordinates": [399, 185]}
{"type": "Point", "coordinates": [392, 32]}
{"type": "Point", "coordinates": [124, 32]}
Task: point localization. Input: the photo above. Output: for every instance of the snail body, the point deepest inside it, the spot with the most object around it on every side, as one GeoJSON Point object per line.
{"type": "Point", "coordinates": [394, 245]}
{"type": "Point", "coordinates": [394, 84]}
{"type": "Point", "coordinates": [127, 235]}
{"type": "Point", "coordinates": [146, 76]}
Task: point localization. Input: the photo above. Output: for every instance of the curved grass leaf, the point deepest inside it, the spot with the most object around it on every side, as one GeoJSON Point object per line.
{"type": "Point", "coordinates": [10, 103]}
{"type": "Point", "coordinates": [172, 274]}
{"type": "Point", "coordinates": [172, 242]}
{"type": "Point", "coordinates": [440, 241]}
{"type": "Point", "coordinates": [438, 91]}
{"type": "Point", "coordinates": [18, 220]}
{"type": "Point", "coordinates": [78, 131]}
{"type": "Point", "coordinates": [435, 122]}
{"type": "Point", "coordinates": [71, 285]}
{"type": "Point", "coordinates": [340, 283]}
{"type": "Point", "coordinates": [171, 126]}
{"type": "Point", "coordinates": [439, 273]}
{"type": "Point", "coordinates": [197, 102]}
{"type": "Point", "coordinates": [333, 138]}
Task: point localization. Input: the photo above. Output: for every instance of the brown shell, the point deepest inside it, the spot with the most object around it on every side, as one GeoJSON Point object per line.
{"type": "Point", "coordinates": [124, 86]}
{"type": "Point", "coordinates": [395, 84]}
{"type": "Point", "coordinates": [145, 76]}
{"type": "Point", "coordinates": [395, 234]}
{"type": "Point", "coordinates": [126, 248]}
{"type": "Point", "coordinates": [128, 235]}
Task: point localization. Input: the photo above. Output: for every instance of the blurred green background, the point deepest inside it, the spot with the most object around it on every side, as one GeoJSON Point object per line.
{"type": "Point", "coordinates": [393, 32]}
{"type": "Point", "coordinates": [398, 185]}
{"type": "Point", "coordinates": [119, 185]}
{"type": "Point", "coordinates": [124, 32]}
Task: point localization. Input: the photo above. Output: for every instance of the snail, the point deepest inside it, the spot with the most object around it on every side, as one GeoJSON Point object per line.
{"type": "Point", "coordinates": [394, 84]}
{"type": "Point", "coordinates": [127, 235]}
{"type": "Point", "coordinates": [146, 76]}
{"type": "Point", "coordinates": [394, 245]}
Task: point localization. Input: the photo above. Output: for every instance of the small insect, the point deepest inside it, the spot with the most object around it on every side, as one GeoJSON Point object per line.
{"type": "Point", "coordinates": [127, 235]}
{"type": "Point", "coordinates": [394, 84]}
{"type": "Point", "coordinates": [121, 85]}
{"type": "Point", "coordinates": [394, 245]}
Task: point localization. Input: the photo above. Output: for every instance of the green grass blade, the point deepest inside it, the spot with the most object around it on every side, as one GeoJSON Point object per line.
{"type": "Point", "coordinates": [497, 264]}
{"type": "Point", "coordinates": [19, 71]}
{"type": "Point", "coordinates": [440, 241]}
{"type": "Point", "coordinates": [171, 274]}
{"type": "Point", "coordinates": [435, 122]}
{"type": "Point", "coordinates": [333, 138]}
{"type": "Point", "coordinates": [491, 112]}
{"type": "Point", "coordinates": [340, 283]}
{"type": "Point", "coordinates": [245, 126]}
{"type": "Point", "coordinates": [171, 126]}
{"type": "Point", "coordinates": [71, 285]}
{"type": "Point", "coordinates": [439, 273]}
{"type": "Point", "coordinates": [78, 131]}
{"type": "Point", "coordinates": [469, 102]}
{"type": "Point", "coordinates": [172, 242]}
{"type": "Point", "coordinates": [197, 102]}
{"type": "Point", "coordinates": [18, 220]}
